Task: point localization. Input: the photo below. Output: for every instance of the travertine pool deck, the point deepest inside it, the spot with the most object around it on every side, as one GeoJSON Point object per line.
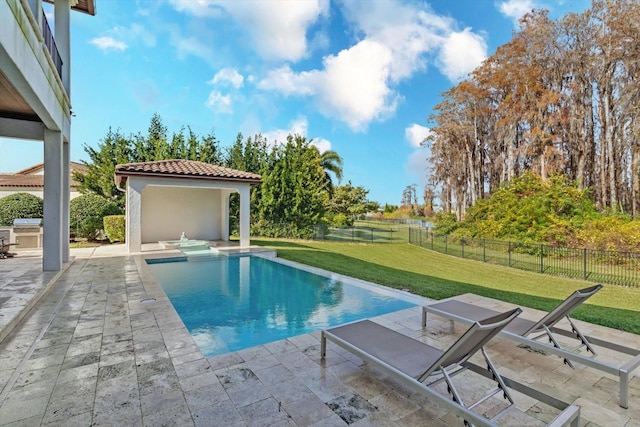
{"type": "Point", "coordinates": [103, 346]}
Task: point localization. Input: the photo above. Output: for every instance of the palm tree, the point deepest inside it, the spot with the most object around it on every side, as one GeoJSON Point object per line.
{"type": "Point", "coordinates": [331, 162]}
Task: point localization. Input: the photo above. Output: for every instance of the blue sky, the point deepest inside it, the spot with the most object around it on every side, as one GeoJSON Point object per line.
{"type": "Point", "coordinates": [359, 77]}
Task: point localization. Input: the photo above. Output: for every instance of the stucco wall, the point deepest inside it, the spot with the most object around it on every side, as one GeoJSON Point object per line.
{"type": "Point", "coordinates": [168, 211]}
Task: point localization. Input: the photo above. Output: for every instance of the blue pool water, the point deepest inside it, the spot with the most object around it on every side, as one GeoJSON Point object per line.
{"type": "Point", "coordinates": [229, 303]}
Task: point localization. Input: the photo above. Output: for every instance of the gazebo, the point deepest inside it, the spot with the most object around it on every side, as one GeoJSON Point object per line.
{"type": "Point", "coordinates": [166, 198]}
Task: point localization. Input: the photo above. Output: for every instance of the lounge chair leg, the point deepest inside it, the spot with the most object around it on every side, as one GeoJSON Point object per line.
{"type": "Point", "coordinates": [624, 389]}
{"type": "Point", "coordinates": [556, 345]}
{"type": "Point", "coordinates": [451, 388]}
{"type": "Point", "coordinates": [497, 377]}
{"type": "Point", "coordinates": [581, 337]}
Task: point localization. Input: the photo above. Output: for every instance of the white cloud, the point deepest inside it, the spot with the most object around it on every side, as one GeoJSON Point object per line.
{"type": "Point", "coordinates": [108, 43]}
{"type": "Point", "coordinates": [415, 134]}
{"type": "Point", "coordinates": [218, 102]}
{"type": "Point", "coordinates": [297, 127]}
{"type": "Point", "coordinates": [278, 27]}
{"type": "Point", "coordinates": [322, 144]}
{"type": "Point", "coordinates": [204, 8]}
{"type": "Point", "coordinates": [137, 31]}
{"type": "Point", "coordinates": [120, 38]}
{"type": "Point", "coordinates": [286, 81]}
{"type": "Point", "coordinates": [228, 76]}
{"type": "Point", "coordinates": [193, 45]}
{"type": "Point", "coordinates": [515, 9]}
{"type": "Point", "coordinates": [396, 41]}
{"type": "Point", "coordinates": [461, 53]}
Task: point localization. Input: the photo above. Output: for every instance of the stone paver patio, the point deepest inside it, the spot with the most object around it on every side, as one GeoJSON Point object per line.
{"type": "Point", "coordinates": [104, 346]}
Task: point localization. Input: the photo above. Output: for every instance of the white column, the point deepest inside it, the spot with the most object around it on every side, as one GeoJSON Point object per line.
{"type": "Point", "coordinates": [224, 215]}
{"type": "Point", "coordinates": [245, 205]}
{"type": "Point", "coordinates": [53, 200]}
{"type": "Point", "coordinates": [65, 201]}
{"type": "Point", "coordinates": [133, 215]}
{"type": "Point", "coordinates": [62, 12]}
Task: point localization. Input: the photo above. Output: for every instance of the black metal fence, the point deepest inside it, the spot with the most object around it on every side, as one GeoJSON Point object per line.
{"type": "Point", "coordinates": [365, 231]}
{"type": "Point", "coordinates": [619, 268]}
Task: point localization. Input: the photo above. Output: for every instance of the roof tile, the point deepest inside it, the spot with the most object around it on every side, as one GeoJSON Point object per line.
{"type": "Point", "coordinates": [186, 168]}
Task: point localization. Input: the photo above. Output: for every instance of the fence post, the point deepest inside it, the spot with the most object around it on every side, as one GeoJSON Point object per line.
{"type": "Point", "coordinates": [432, 240]}
{"type": "Point", "coordinates": [541, 259]}
{"type": "Point", "coordinates": [445, 243]}
{"type": "Point", "coordinates": [584, 262]}
{"type": "Point", "coordinates": [371, 234]}
{"type": "Point", "coordinates": [509, 253]}
{"type": "Point", "coordinates": [462, 243]}
{"type": "Point", "coordinates": [484, 251]}
{"type": "Point", "coordinates": [353, 234]}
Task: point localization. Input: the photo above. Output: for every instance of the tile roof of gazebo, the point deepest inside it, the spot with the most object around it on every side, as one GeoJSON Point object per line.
{"type": "Point", "coordinates": [178, 168]}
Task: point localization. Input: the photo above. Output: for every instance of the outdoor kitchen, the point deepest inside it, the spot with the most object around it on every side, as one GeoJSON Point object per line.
{"type": "Point", "coordinates": [26, 233]}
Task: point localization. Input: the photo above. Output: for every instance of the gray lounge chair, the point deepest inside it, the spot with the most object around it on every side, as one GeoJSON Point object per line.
{"type": "Point", "coordinates": [421, 366]}
{"type": "Point", "coordinates": [529, 333]}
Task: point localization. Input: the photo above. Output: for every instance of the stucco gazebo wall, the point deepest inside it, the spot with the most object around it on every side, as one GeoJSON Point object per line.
{"type": "Point", "coordinates": [166, 214]}
{"type": "Point", "coordinates": [168, 211]}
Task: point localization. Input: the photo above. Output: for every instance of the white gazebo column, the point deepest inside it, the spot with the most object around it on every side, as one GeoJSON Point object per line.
{"type": "Point", "coordinates": [245, 206]}
{"type": "Point", "coordinates": [224, 215]}
{"type": "Point", "coordinates": [53, 201]}
{"type": "Point", "coordinates": [134, 215]}
{"type": "Point", "coordinates": [65, 201]}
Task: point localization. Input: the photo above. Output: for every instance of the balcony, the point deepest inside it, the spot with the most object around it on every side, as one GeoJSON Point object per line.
{"type": "Point", "coordinates": [50, 43]}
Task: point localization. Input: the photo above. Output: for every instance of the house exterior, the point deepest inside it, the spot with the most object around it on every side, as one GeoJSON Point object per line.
{"type": "Point", "coordinates": [35, 103]}
{"type": "Point", "coordinates": [31, 180]}
{"type": "Point", "coordinates": [168, 197]}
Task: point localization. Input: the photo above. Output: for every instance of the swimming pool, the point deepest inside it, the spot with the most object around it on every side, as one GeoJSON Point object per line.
{"type": "Point", "coordinates": [229, 303]}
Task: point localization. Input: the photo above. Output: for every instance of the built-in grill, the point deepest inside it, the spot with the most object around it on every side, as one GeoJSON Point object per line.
{"type": "Point", "coordinates": [28, 232]}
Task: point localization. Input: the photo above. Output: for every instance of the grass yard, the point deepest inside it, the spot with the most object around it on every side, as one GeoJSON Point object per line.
{"type": "Point", "coordinates": [438, 276]}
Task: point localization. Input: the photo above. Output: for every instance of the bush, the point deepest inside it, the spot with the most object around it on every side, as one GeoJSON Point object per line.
{"type": "Point", "coordinates": [19, 205]}
{"type": "Point", "coordinates": [530, 209]}
{"type": "Point", "coordinates": [266, 228]}
{"type": "Point", "coordinates": [87, 213]}
{"type": "Point", "coordinates": [341, 220]}
{"type": "Point", "coordinates": [612, 233]}
{"type": "Point", "coordinates": [114, 227]}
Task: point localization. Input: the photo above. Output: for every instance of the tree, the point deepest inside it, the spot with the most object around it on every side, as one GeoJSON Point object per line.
{"type": "Point", "coordinates": [559, 98]}
{"type": "Point", "coordinates": [350, 201]}
{"type": "Point", "coordinates": [293, 192]}
{"type": "Point", "coordinates": [113, 149]}
{"type": "Point", "coordinates": [332, 165]}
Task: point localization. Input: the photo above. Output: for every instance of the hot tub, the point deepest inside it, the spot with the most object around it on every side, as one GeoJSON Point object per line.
{"type": "Point", "coordinates": [185, 244]}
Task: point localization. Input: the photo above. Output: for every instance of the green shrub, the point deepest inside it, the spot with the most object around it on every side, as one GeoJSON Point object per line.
{"type": "Point", "coordinates": [19, 205]}
{"type": "Point", "coordinates": [530, 209]}
{"type": "Point", "coordinates": [266, 228]}
{"type": "Point", "coordinates": [341, 220]}
{"type": "Point", "coordinates": [114, 227]}
{"type": "Point", "coordinates": [611, 233]}
{"type": "Point", "coordinates": [87, 212]}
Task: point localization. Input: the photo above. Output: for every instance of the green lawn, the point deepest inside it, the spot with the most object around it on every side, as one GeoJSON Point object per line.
{"type": "Point", "coordinates": [438, 276]}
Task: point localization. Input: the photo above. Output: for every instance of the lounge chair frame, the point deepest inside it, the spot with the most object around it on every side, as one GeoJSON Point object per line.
{"type": "Point", "coordinates": [452, 362]}
{"type": "Point", "coordinates": [547, 327]}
